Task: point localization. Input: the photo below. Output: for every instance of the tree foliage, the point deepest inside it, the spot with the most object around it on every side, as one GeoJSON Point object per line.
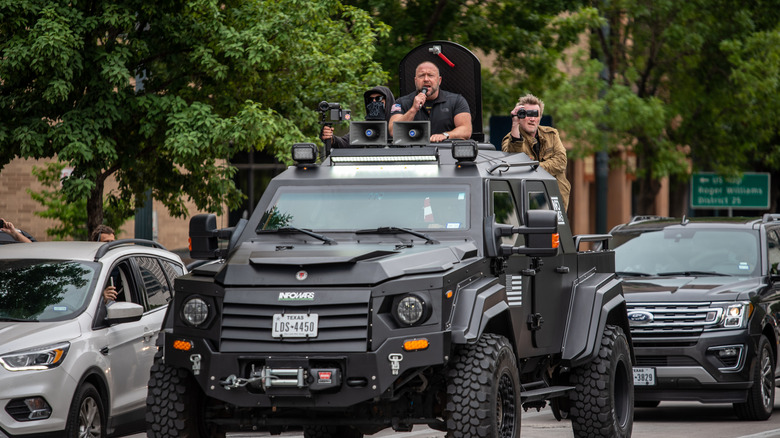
{"type": "Point", "coordinates": [680, 83]}
{"type": "Point", "coordinates": [158, 94]}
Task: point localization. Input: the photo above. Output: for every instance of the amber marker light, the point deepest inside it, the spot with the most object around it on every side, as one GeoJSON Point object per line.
{"type": "Point", "coordinates": [415, 344]}
{"type": "Point", "coordinates": [182, 345]}
{"type": "Point", "coordinates": [448, 294]}
{"type": "Point", "coordinates": [556, 240]}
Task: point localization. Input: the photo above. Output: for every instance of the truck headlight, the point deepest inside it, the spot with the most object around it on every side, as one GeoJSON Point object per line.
{"type": "Point", "coordinates": [195, 311]}
{"type": "Point", "coordinates": [41, 358]}
{"type": "Point", "coordinates": [411, 309]}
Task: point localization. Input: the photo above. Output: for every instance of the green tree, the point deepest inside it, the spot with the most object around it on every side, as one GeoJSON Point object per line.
{"type": "Point", "coordinates": [524, 39]}
{"type": "Point", "coordinates": [663, 78]}
{"type": "Point", "coordinates": [158, 94]}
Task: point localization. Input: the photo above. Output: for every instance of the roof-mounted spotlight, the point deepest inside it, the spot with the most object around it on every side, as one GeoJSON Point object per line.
{"type": "Point", "coordinates": [304, 154]}
{"type": "Point", "coordinates": [465, 151]}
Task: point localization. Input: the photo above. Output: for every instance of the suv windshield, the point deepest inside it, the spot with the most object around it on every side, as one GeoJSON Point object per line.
{"type": "Point", "coordinates": [687, 250]}
{"type": "Point", "coordinates": [356, 208]}
{"type": "Point", "coordinates": [44, 290]}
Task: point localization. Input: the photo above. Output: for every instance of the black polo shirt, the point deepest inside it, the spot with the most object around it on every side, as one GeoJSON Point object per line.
{"type": "Point", "coordinates": [441, 111]}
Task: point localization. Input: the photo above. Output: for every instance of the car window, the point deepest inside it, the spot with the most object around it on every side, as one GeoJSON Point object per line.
{"type": "Point", "coordinates": [504, 209]}
{"type": "Point", "coordinates": [773, 250]}
{"type": "Point", "coordinates": [44, 290]}
{"type": "Point", "coordinates": [156, 289]}
{"type": "Point", "coordinates": [683, 249]}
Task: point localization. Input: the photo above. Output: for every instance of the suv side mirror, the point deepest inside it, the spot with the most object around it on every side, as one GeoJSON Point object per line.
{"type": "Point", "coordinates": [122, 311]}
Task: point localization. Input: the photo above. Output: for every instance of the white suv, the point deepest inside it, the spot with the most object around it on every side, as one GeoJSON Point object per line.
{"type": "Point", "coordinates": [70, 365]}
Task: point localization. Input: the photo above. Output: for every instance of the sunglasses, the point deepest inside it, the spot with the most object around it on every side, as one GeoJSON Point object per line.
{"type": "Point", "coordinates": [376, 99]}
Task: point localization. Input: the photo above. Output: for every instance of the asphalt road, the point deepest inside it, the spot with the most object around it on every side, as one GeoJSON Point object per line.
{"type": "Point", "coordinates": [669, 420]}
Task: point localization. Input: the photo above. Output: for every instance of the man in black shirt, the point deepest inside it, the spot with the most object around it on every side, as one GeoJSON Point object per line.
{"type": "Point", "coordinates": [448, 112]}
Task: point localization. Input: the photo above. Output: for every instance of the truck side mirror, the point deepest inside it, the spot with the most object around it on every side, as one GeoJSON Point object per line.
{"type": "Point", "coordinates": [540, 229]}
{"type": "Point", "coordinates": [204, 241]}
{"type": "Point", "coordinates": [542, 219]}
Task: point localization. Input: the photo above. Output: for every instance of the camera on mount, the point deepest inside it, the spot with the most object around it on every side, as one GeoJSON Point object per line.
{"type": "Point", "coordinates": [332, 113]}
{"type": "Point", "coordinates": [522, 113]}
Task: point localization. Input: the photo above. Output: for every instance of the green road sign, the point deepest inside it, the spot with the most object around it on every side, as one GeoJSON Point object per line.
{"type": "Point", "coordinates": [710, 190]}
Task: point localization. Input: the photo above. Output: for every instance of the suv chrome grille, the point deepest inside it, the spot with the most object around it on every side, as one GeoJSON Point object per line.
{"type": "Point", "coordinates": [671, 319]}
{"type": "Point", "coordinates": [247, 319]}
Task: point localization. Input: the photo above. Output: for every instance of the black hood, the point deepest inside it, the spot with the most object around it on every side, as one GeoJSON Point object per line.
{"type": "Point", "coordinates": [689, 289]}
{"type": "Point", "coordinates": [255, 264]}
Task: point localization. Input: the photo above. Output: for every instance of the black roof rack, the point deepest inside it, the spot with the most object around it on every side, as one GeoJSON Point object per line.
{"type": "Point", "coordinates": [648, 218]}
{"type": "Point", "coordinates": [108, 246]}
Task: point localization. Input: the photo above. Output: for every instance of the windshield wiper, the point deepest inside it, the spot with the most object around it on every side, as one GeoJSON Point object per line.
{"type": "Point", "coordinates": [633, 274]}
{"type": "Point", "coordinates": [326, 239]}
{"type": "Point", "coordinates": [6, 319]}
{"type": "Point", "coordinates": [394, 230]}
{"type": "Point", "coordinates": [691, 274]}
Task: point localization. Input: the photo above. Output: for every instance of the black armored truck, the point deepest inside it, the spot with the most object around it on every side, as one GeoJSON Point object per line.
{"type": "Point", "coordinates": [396, 284]}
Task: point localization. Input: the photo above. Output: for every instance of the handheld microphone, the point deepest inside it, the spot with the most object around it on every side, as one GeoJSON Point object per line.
{"type": "Point", "coordinates": [424, 90]}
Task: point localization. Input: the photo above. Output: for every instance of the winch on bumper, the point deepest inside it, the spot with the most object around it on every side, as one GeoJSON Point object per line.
{"type": "Point", "coordinates": [285, 379]}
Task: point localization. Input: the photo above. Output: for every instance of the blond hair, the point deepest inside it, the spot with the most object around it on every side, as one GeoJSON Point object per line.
{"type": "Point", "coordinates": [530, 99]}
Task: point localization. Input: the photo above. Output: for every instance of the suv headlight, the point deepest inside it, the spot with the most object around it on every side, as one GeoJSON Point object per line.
{"type": "Point", "coordinates": [41, 358]}
{"type": "Point", "coordinates": [735, 315]}
{"type": "Point", "coordinates": [195, 311]}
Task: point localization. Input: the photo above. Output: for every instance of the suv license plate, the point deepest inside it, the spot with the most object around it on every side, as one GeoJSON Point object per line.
{"type": "Point", "coordinates": [294, 325]}
{"type": "Point", "coordinates": [644, 376]}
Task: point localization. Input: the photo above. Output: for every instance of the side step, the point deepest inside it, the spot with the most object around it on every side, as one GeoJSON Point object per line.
{"type": "Point", "coordinates": [544, 393]}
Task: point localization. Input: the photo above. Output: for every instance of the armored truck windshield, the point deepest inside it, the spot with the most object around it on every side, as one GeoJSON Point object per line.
{"type": "Point", "coordinates": [349, 208]}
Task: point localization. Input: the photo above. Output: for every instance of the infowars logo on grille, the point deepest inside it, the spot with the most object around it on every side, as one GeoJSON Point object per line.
{"type": "Point", "coordinates": [296, 296]}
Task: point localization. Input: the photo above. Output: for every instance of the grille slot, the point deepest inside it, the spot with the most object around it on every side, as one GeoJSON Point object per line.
{"type": "Point", "coordinates": [247, 323]}
{"type": "Point", "coordinates": [665, 361]}
{"type": "Point", "coordinates": [674, 319]}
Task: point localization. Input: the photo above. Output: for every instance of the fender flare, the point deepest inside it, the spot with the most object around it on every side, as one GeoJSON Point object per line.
{"type": "Point", "coordinates": [475, 305]}
{"type": "Point", "coordinates": [601, 295]}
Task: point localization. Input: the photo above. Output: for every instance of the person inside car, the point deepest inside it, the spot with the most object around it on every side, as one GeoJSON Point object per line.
{"type": "Point", "coordinates": [14, 233]}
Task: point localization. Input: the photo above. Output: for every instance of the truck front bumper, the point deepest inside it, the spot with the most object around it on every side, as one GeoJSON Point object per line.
{"type": "Point", "coordinates": [298, 379]}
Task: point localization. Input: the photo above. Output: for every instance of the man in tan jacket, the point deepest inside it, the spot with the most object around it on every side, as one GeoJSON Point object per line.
{"type": "Point", "coordinates": [541, 143]}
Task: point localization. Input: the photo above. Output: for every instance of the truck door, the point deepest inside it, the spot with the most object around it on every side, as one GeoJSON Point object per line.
{"type": "Point", "coordinates": [503, 207]}
{"type": "Point", "coordinates": [550, 278]}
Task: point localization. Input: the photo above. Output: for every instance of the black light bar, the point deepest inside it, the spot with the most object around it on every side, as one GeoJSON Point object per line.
{"type": "Point", "coordinates": [421, 155]}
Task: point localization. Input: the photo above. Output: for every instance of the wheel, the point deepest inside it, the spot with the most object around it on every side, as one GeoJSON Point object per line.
{"type": "Point", "coordinates": [87, 416]}
{"type": "Point", "coordinates": [602, 403]}
{"type": "Point", "coordinates": [175, 404]}
{"type": "Point", "coordinates": [330, 432]}
{"type": "Point", "coordinates": [483, 391]}
{"type": "Point", "coordinates": [761, 396]}
{"type": "Point", "coordinates": [646, 403]}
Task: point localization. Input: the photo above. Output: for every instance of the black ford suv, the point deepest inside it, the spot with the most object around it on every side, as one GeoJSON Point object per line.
{"type": "Point", "coordinates": [703, 303]}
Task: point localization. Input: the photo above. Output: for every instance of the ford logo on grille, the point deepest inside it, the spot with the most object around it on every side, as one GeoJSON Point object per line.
{"type": "Point", "coordinates": [639, 317]}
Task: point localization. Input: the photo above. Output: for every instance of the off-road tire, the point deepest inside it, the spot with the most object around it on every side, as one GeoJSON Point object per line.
{"type": "Point", "coordinates": [174, 404]}
{"type": "Point", "coordinates": [483, 391]}
{"type": "Point", "coordinates": [87, 415]}
{"type": "Point", "coordinates": [330, 432]}
{"type": "Point", "coordinates": [761, 396]}
{"type": "Point", "coordinates": [602, 403]}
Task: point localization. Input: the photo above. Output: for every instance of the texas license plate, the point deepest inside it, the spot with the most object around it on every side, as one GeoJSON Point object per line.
{"type": "Point", "coordinates": [294, 325]}
{"type": "Point", "coordinates": [644, 376]}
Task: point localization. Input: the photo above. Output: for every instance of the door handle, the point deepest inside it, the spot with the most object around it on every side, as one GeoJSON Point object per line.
{"type": "Point", "coordinates": [148, 335]}
{"type": "Point", "coordinates": [104, 351]}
